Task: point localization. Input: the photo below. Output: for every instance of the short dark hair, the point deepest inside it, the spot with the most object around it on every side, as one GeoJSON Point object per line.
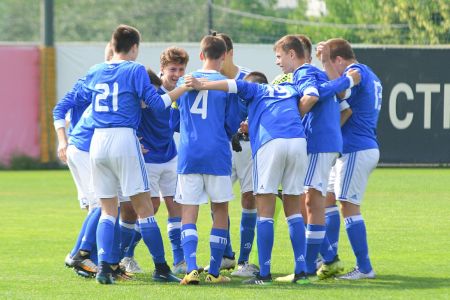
{"type": "Point", "coordinates": [290, 42]}
{"type": "Point", "coordinates": [228, 41]}
{"type": "Point", "coordinates": [154, 79]}
{"type": "Point", "coordinates": [124, 37]}
{"type": "Point", "coordinates": [307, 45]}
{"type": "Point", "coordinates": [212, 46]}
{"type": "Point", "coordinates": [256, 76]}
{"type": "Point", "coordinates": [173, 55]}
{"type": "Point", "coordinates": [342, 48]}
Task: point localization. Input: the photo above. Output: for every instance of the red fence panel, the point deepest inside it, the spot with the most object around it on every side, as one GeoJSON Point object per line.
{"type": "Point", "coordinates": [19, 101]}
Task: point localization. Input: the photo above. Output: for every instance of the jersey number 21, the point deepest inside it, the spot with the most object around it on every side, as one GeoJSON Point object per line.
{"type": "Point", "coordinates": [106, 91]}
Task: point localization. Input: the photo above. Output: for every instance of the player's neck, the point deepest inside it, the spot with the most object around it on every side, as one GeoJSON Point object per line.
{"type": "Point", "coordinates": [122, 56]}
{"type": "Point", "coordinates": [349, 62]}
{"type": "Point", "coordinates": [212, 64]}
{"type": "Point", "coordinates": [230, 70]}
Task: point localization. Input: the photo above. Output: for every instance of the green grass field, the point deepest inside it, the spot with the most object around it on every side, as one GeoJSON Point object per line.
{"type": "Point", "coordinates": [406, 212]}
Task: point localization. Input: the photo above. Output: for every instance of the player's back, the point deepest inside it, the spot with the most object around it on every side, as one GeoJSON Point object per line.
{"type": "Point", "coordinates": [204, 144]}
{"type": "Point", "coordinates": [273, 112]}
{"type": "Point", "coordinates": [116, 91]}
{"type": "Point", "coordinates": [156, 132]}
{"type": "Point", "coordinates": [322, 122]}
{"type": "Point", "coordinates": [359, 132]}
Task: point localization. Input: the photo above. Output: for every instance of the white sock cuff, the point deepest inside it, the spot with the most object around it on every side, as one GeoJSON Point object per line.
{"type": "Point", "coordinates": [109, 218]}
{"type": "Point", "coordinates": [293, 217]}
{"type": "Point", "coordinates": [173, 225]}
{"type": "Point", "coordinates": [315, 234]}
{"type": "Point", "coordinates": [127, 225]}
{"type": "Point", "coordinates": [353, 219]}
{"type": "Point", "coordinates": [150, 219]}
{"type": "Point", "coordinates": [331, 209]}
{"type": "Point", "coordinates": [263, 219]}
{"type": "Point", "coordinates": [249, 211]}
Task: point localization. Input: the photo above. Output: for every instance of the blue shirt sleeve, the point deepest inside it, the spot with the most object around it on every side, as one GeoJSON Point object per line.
{"type": "Point", "coordinates": [69, 101]}
{"type": "Point", "coordinates": [332, 87]}
{"type": "Point", "coordinates": [247, 90]}
{"type": "Point", "coordinates": [146, 91]}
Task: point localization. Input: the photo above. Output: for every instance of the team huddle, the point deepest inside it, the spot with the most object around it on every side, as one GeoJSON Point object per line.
{"type": "Point", "coordinates": [308, 138]}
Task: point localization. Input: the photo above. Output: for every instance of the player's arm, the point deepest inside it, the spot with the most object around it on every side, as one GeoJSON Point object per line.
{"type": "Point", "coordinates": [306, 103]}
{"type": "Point", "coordinates": [59, 117]}
{"type": "Point", "coordinates": [340, 86]}
{"type": "Point", "coordinates": [203, 84]}
{"type": "Point", "coordinates": [147, 92]}
{"type": "Point", "coordinates": [244, 89]}
{"type": "Point", "coordinates": [62, 143]}
{"type": "Point", "coordinates": [307, 86]}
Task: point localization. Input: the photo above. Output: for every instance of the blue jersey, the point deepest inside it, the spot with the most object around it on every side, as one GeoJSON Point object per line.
{"type": "Point", "coordinates": [359, 132]}
{"type": "Point", "coordinates": [238, 109]}
{"type": "Point", "coordinates": [205, 128]}
{"type": "Point", "coordinates": [272, 112]}
{"type": "Point", "coordinates": [116, 90]}
{"type": "Point", "coordinates": [157, 134]}
{"type": "Point", "coordinates": [322, 122]}
{"type": "Point", "coordinates": [71, 105]}
{"type": "Point", "coordinates": [81, 135]}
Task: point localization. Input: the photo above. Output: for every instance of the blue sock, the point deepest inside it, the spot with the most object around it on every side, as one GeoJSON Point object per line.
{"type": "Point", "coordinates": [264, 240]}
{"type": "Point", "coordinates": [297, 235]}
{"type": "Point", "coordinates": [136, 239]}
{"type": "Point", "coordinates": [126, 236]}
{"type": "Point", "coordinates": [217, 243]}
{"type": "Point", "coordinates": [314, 239]}
{"type": "Point", "coordinates": [89, 238]}
{"type": "Point", "coordinates": [189, 242]}
{"type": "Point", "coordinates": [327, 251]}
{"type": "Point", "coordinates": [105, 238]}
{"type": "Point", "coordinates": [333, 224]}
{"type": "Point", "coordinates": [228, 249]}
{"type": "Point", "coordinates": [94, 255]}
{"type": "Point", "coordinates": [115, 251]}
{"type": "Point", "coordinates": [248, 223]}
{"type": "Point", "coordinates": [80, 236]}
{"type": "Point", "coordinates": [356, 231]}
{"type": "Point", "coordinates": [152, 238]}
{"type": "Point", "coordinates": [174, 233]}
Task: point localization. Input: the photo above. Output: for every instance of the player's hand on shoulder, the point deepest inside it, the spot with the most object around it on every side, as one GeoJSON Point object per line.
{"type": "Point", "coordinates": [194, 83]}
{"type": "Point", "coordinates": [355, 75]}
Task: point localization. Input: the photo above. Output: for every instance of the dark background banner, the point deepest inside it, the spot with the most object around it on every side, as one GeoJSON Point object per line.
{"type": "Point", "coordinates": [414, 123]}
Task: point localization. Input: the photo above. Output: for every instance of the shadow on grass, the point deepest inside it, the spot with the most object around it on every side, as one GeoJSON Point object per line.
{"type": "Point", "coordinates": [382, 282]}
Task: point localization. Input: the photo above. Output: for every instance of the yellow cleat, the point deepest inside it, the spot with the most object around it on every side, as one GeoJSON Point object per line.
{"type": "Point", "coordinates": [191, 278]}
{"type": "Point", "coordinates": [331, 269]}
{"type": "Point", "coordinates": [287, 278]}
{"type": "Point", "coordinates": [219, 279]}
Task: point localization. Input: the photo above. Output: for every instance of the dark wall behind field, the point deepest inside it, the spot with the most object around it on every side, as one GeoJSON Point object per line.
{"type": "Point", "coordinates": [414, 124]}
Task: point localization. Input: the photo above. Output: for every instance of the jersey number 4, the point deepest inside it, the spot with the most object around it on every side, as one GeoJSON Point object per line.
{"type": "Point", "coordinates": [200, 105]}
{"type": "Point", "coordinates": [104, 95]}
